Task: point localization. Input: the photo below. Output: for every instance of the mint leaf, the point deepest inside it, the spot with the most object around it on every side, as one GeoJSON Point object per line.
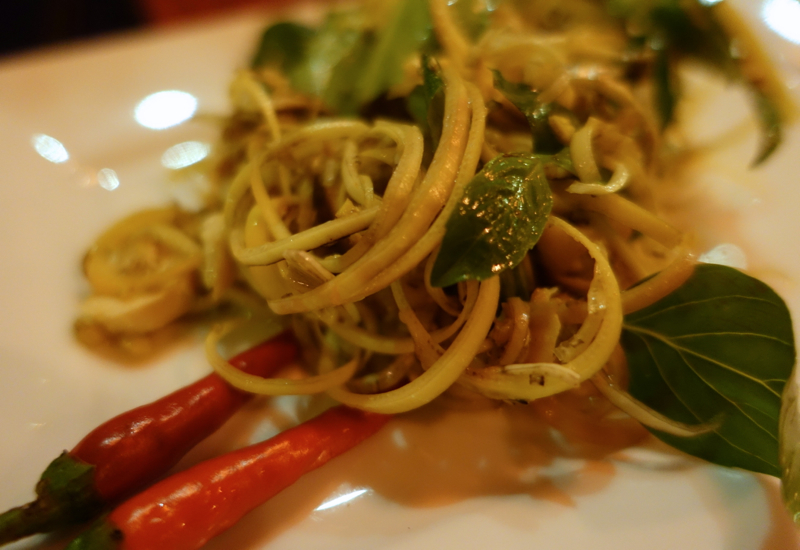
{"type": "Point", "coordinates": [498, 220]}
{"type": "Point", "coordinates": [718, 349]}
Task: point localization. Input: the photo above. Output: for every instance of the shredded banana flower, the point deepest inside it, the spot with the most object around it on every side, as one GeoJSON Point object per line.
{"type": "Point", "coordinates": [333, 224]}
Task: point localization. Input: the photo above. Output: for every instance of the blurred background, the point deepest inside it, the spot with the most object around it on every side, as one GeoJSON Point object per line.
{"type": "Point", "coordinates": [28, 24]}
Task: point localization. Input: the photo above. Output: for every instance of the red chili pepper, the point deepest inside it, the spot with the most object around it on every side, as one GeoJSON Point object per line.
{"type": "Point", "coordinates": [187, 509]}
{"type": "Point", "coordinates": [136, 447]}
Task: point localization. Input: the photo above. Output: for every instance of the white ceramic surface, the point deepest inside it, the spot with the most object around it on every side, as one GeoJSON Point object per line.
{"type": "Point", "coordinates": [468, 480]}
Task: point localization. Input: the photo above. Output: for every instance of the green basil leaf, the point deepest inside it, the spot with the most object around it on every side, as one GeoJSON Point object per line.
{"type": "Point", "coordinates": [524, 98]}
{"type": "Point", "coordinates": [770, 119]}
{"type": "Point", "coordinates": [560, 161]}
{"type": "Point", "coordinates": [426, 104]}
{"type": "Point", "coordinates": [409, 27]}
{"type": "Point", "coordinates": [346, 61]}
{"type": "Point", "coordinates": [689, 28]}
{"type": "Point", "coordinates": [282, 45]}
{"type": "Point", "coordinates": [342, 91]}
{"type": "Point", "coordinates": [498, 220]}
{"type": "Point", "coordinates": [340, 36]}
{"type": "Point", "coordinates": [675, 29]}
{"type": "Point", "coordinates": [719, 349]}
{"type": "Point", "coordinates": [473, 16]}
{"type": "Point", "coordinates": [666, 88]}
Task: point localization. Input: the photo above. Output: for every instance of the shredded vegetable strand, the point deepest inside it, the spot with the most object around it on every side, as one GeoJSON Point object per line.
{"type": "Point", "coordinates": [634, 216]}
{"type": "Point", "coordinates": [502, 384]}
{"type": "Point", "coordinates": [307, 240]}
{"type": "Point", "coordinates": [271, 386]}
{"type": "Point", "coordinates": [660, 285]}
{"type": "Point", "coordinates": [644, 414]}
{"type": "Point", "coordinates": [433, 236]}
{"type": "Point", "coordinates": [411, 228]}
{"type": "Point", "coordinates": [426, 203]}
{"type": "Point", "coordinates": [428, 352]}
{"type": "Point", "coordinates": [443, 372]}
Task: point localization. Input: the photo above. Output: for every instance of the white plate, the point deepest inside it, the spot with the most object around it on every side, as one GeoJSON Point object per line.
{"type": "Point", "coordinates": [473, 479]}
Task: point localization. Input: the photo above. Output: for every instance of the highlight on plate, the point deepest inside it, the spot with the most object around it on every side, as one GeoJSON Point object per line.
{"type": "Point", "coordinates": [461, 197]}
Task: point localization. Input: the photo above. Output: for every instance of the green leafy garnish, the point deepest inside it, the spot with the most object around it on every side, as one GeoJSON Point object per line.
{"type": "Point", "coordinates": [425, 103]}
{"type": "Point", "coordinates": [409, 27]}
{"type": "Point", "coordinates": [282, 45]}
{"type": "Point", "coordinates": [329, 54]}
{"type": "Point", "coordinates": [770, 118]}
{"type": "Point", "coordinates": [718, 350]}
{"type": "Point", "coordinates": [671, 30]}
{"type": "Point", "coordinates": [526, 99]}
{"type": "Point", "coordinates": [666, 87]}
{"type": "Point", "coordinates": [311, 58]}
{"type": "Point", "coordinates": [347, 61]}
{"type": "Point", "coordinates": [497, 221]}
{"type": "Point", "coordinates": [473, 16]}
{"type": "Point", "coordinates": [562, 160]}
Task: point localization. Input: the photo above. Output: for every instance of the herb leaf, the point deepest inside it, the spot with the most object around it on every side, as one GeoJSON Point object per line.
{"type": "Point", "coordinates": [770, 118]}
{"type": "Point", "coordinates": [473, 16]}
{"type": "Point", "coordinates": [524, 98]}
{"type": "Point", "coordinates": [339, 39]}
{"type": "Point", "coordinates": [666, 87]}
{"type": "Point", "coordinates": [409, 27]}
{"type": "Point", "coordinates": [347, 61]}
{"type": "Point", "coordinates": [282, 45]}
{"type": "Point", "coordinates": [425, 103]}
{"type": "Point", "coordinates": [498, 220]}
{"type": "Point", "coordinates": [672, 29]}
{"type": "Point", "coordinates": [718, 349]}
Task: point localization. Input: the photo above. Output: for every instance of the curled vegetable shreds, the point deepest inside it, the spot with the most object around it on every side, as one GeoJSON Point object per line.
{"type": "Point", "coordinates": [218, 270]}
{"type": "Point", "coordinates": [272, 386]}
{"type": "Point", "coordinates": [427, 201]}
{"type": "Point", "coordinates": [141, 253]}
{"type": "Point", "coordinates": [443, 372]}
{"type": "Point", "coordinates": [341, 223]}
{"type": "Point", "coordinates": [141, 314]}
{"type": "Point", "coordinates": [502, 384]}
{"type": "Point", "coordinates": [659, 285]}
